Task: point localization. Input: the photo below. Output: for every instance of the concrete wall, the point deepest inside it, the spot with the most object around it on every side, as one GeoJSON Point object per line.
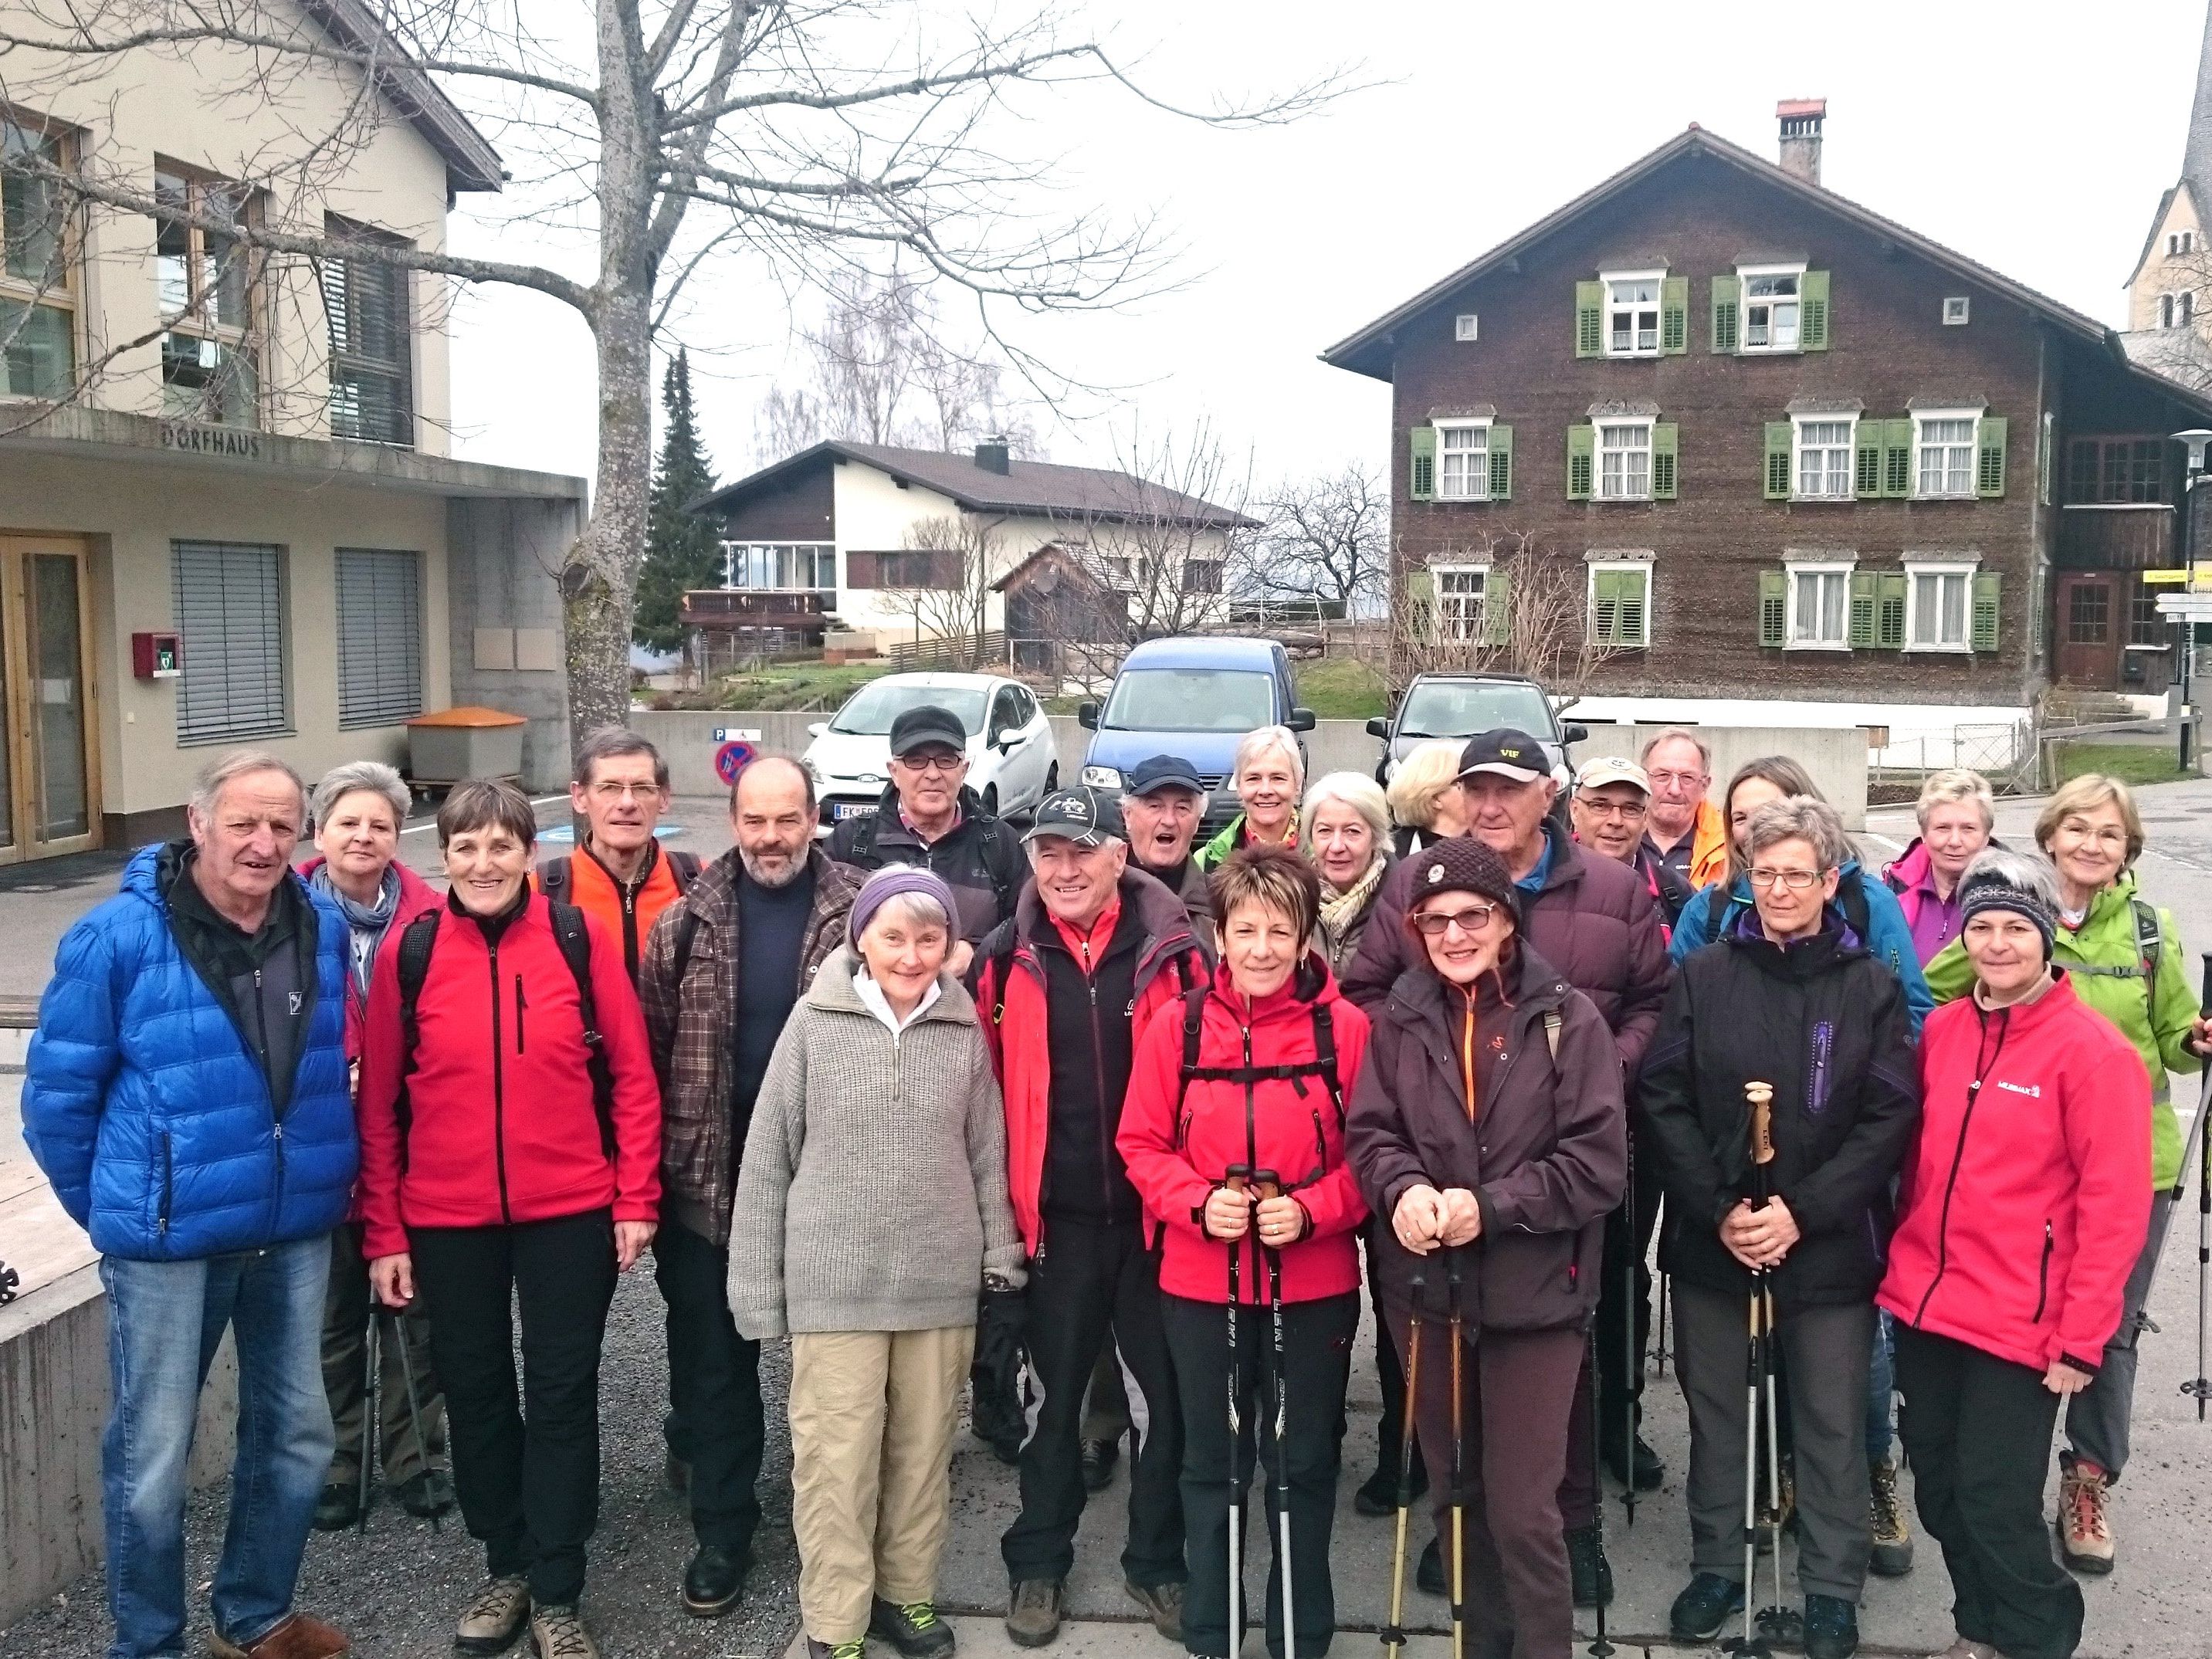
{"type": "Point", "coordinates": [54, 1398]}
{"type": "Point", "coordinates": [505, 552]}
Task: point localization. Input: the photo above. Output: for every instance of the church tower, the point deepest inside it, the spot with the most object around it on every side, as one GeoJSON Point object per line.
{"type": "Point", "coordinates": [2170, 293]}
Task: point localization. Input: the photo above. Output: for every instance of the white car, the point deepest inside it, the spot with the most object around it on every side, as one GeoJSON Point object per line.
{"type": "Point", "coordinates": [1012, 764]}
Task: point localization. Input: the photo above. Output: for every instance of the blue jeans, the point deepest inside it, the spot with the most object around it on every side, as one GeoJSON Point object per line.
{"type": "Point", "coordinates": [165, 1321]}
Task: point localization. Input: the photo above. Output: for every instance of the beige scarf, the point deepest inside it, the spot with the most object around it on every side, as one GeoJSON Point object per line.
{"type": "Point", "coordinates": [1339, 913]}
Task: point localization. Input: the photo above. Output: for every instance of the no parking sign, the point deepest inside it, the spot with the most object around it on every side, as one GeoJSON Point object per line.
{"type": "Point", "coordinates": [731, 759]}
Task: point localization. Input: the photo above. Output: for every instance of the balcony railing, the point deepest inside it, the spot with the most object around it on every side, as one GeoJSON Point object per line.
{"type": "Point", "coordinates": [2118, 536]}
{"type": "Point", "coordinates": [757, 607]}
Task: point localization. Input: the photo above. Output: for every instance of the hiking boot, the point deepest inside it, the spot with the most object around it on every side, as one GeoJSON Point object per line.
{"type": "Point", "coordinates": [1033, 1612]}
{"type": "Point", "coordinates": [853, 1650]}
{"type": "Point", "coordinates": [558, 1632]}
{"type": "Point", "coordinates": [1163, 1605]}
{"type": "Point", "coordinates": [297, 1636]}
{"type": "Point", "coordinates": [1707, 1602]}
{"type": "Point", "coordinates": [2085, 1531]}
{"type": "Point", "coordinates": [1832, 1628]}
{"type": "Point", "coordinates": [428, 1495]}
{"type": "Point", "coordinates": [490, 1623]}
{"type": "Point", "coordinates": [1642, 1463]}
{"type": "Point", "coordinates": [714, 1582]}
{"type": "Point", "coordinates": [912, 1627]}
{"type": "Point", "coordinates": [1429, 1573]}
{"type": "Point", "coordinates": [1378, 1493]}
{"type": "Point", "coordinates": [1586, 1563]}
{"type": "Point", "coordinates": [1099, 1457]}
{"type": "Point", "coordinates": [339, 1506]}
{"type": "Point", "coordinates": [1893, 1539]}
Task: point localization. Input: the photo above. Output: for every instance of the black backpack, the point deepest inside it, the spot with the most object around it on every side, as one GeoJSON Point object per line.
{"type": "Point", "coordinates": [573, 934]}
{"type": "Point", "coordinates": [1004, 883]}
{"type": "Point", "coordinates": [554, 877]}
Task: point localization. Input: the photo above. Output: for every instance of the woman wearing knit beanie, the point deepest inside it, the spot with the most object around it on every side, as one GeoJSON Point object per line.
{"type": "Point", "coordinates": [1488, 1135]}
{"type": "Point", "coordinates": [2035, 1125]}
{"type": "Point", "coordinates": [871, 1211]}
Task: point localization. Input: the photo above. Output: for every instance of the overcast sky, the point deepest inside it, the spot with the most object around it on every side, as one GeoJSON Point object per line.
{"type": "Point", "coordinates": [2034, 137]}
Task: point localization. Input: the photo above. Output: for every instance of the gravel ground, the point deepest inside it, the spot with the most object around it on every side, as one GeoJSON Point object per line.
{"type": "Point", "coordinates": [397, 1590]}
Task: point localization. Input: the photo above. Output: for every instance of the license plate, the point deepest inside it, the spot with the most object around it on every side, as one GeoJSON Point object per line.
{"type": "Point", "coordinates": [842, 809]}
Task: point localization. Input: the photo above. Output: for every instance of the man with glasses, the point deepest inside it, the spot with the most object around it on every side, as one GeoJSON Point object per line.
{"type": "Point", "coordinates": [1685, 832]}
{"type": "Point", "coordinates": [619, 876]}
{"type": "Point", "coordinates": [1610, 810]}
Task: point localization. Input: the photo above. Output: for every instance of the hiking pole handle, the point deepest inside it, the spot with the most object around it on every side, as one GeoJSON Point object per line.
{"type": "Point", "coordinates": [1270, 1184]}
{"type": "Point", "coordinates": [1760, 1098]}
{"type": "Point", "coordinates": [1237, 1177]}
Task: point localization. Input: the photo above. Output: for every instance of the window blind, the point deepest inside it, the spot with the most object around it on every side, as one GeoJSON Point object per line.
{"type": "Point", "coordinates": [230, 609]}
{"type": "Point", "coordinates": [379, 636]}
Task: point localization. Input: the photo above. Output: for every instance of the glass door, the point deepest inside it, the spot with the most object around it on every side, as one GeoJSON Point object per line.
{"type": "Point", "coordinates": [47, 777]}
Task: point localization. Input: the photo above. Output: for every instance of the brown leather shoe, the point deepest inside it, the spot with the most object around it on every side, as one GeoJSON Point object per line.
{"type": "Point", "coordinates": [298, 1637]}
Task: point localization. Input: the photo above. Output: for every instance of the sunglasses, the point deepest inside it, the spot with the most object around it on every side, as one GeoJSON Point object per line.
{"type": "Point", "coordinates": [939, 761]}
{"type": "Point", "coordinates": [1435, 924]}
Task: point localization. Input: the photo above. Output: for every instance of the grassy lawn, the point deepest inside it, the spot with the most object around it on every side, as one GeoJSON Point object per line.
{"type": "Point", "coordinates": [803, 685]}
{"type": "Point", "coordinates": [2131, 762]}
{"type": "Point", "coordinates": [1341, 689]}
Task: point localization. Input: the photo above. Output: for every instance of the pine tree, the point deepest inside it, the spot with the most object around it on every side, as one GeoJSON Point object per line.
{"type": "Point", "coordinates": [682, 551]}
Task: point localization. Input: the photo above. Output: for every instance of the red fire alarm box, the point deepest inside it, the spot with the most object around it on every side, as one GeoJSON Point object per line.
{"type": "Point", "coordinates": [157, 656]}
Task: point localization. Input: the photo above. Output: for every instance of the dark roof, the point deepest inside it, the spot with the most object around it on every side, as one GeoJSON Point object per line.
{"type": "Point", "coordinates": [1369, 351]}
{"type": "Point", "coordinates": [1085, 561]}
{"type": "Point", "coordinates": [1027, 487]}
{"type": "Point", "coordinates": [471, 161]}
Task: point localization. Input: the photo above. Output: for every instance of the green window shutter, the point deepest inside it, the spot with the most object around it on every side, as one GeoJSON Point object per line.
{"type": "Point", "coordinates": [1727, 291]}
{"type": "Point", "coordinates": [1501, 463]}
{"type": "Point", "coordinates": [1990, 468]}
{"type": "Point", "coordinates": [1666, 448]}
{"type": "Point", "coordinates": [1778, 438]}
{"type": "Point", "coordinates": [1813, 315]}
{"type": "Point", "coordinates": [1421, 605]}
{"type": "Point", "coordinates": [1863, 610]}
{"type": "Point", "coordinates": [1865, 479]}
{"type": "Point", "coordinates": [1773, 607]}
{"type": "Point", "coordinates": [1635, 593]}
{"type": "Point", "coordinates": [1422, 442]}
{"type": "Point", "coordinates": [1986, 587]}
{"type": "Point", "coordinates": [1589, 320]}
{"type": "Point", "coordinates": [1889, 610]}
{"type": "Point", "coordinates": [1897, 457]}
{"type": "Point", "coordinates": [1617, 607]}
{"type": "Point", "coordinates": [1498, 606]}
{"type": "Point", "coordinates": [1581, 441]}
{"type": "Point", "coordinates": [1674, 316]}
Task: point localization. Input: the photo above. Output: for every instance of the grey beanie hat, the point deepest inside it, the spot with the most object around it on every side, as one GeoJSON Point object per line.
{"type": "Point", "coordinates": [889, 882]}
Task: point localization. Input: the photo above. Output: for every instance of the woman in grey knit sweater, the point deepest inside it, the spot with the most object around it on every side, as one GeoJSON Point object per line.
{"type": "Point", "coordinates": [871, 1211]}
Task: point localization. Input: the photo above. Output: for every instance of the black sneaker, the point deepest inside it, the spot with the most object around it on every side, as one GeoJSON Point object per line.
{"type": "Point", "coordinates": [1832, 1628]}
{"type": "Point", "coordinates": [1429, 1576]}
{"type": "Point", "coordinates": [1099, 1457]}
{"type": "Point", "coordinates": [428, 1495]}
{"type": "Point", "coordinates": [339, 1506]}
{"type": "Point", "coordinates": [1586, 1563]}
{"type": "Point", "coordinates": [1642, 1462]}
{"type": "Point", "coordinates": [714, 1582]}
{"type": "Point", "coordinates": [912, 1627]}
{"type": "Point", "coordinates": [1707, 1602]}
{"type": "Point", "coordinates": [1378, 1493]}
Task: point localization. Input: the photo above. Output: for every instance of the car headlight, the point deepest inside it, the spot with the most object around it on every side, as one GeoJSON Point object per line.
{"type": "Point", "coordinates": [1102, 777]}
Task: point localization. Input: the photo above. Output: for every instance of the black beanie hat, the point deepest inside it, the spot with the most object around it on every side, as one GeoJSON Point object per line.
{"type": "Point", "coordinates": [1462, 864]}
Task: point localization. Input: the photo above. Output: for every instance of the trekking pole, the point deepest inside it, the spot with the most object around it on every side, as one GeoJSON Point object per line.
{"type": "Point", "coordinates": [371, 1378]}
{"type": "Point", "coordinates": [1456, 1329]}
{"type": "Point", "coordinates": [1777, 1621]}
{"type": "Point", "coordinates": [1659, 1347]}
{"type": "Point", "coordinates": [1748, 1646]}
{"type": "Point", "coordinates": [1270, 1186]}
{"type": "Point", "coordinates": [1234, 1179]}
{"type": "Point", "coordinates": [1393, 1633]}
{"type": "Point", "coordinates": [1631, 1361]}
{"type": "Point", "coordinates": [414, 1404]}
{"type": "Point", "coordinates": [2201, 1388]}
{"type": "Point", "coordinates": [1601, 1649]}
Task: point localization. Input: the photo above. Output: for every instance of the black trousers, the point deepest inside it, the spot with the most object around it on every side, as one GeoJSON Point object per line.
{"type": "Point", "coordinates": [1317, 1363]}
{"type": "Point", "coordinates": [1624, 1302]}
{"type": "Point", "coordinates": [403, 1343]}
{"type": "Point", "coordinates": [1093, 1281]}
{"type": "Point", "coordinates": [713, 1388]}
{"type": "Point", "coordinates": [526, 1465]}
{"type": "Point", "coordinates": [1978, 1431]}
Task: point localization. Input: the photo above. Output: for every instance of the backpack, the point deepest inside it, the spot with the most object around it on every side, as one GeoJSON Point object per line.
{"type": "Point", "coordinates": [573, 934]}
{"type": "Point", "coordinates": [554, 877]}
{"type": "Point", "coordinates": [1323, 1065]}
{"type": "Point", "coordinates": [1004, 883]}
{"type": "Point", "coordinates": [2150, 943]}
{"type": "Point", "coordinates": [1001, 965]}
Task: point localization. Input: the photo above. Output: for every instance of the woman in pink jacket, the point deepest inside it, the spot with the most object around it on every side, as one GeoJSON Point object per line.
{"type": "Point", "coordinates": [2021, 1212]}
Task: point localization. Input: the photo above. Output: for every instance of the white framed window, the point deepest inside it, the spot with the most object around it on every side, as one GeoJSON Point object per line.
{"type": "Point", "coordinates": [1957, 309]}
{"type": "Point", "coordinates": [1461, 590]}
{"type": "Point", "coordinates": [1824, 458]}
{"type": "Point", "coordinates": [1631, 312]}
{"type": "Point", "coordinates": [1938, 607]}
{"type": "Point", "coordinates": [230, 603]}
{"type": "Point", "coordinates": [204, 282]}
{"type": "Point", "coordinates": [781, 564]}
{"type": "Point", "coordinates": [1465, 325]}
{"type": "Point", "coordinates": [1821, 606]}
{"type": "Point", "coordinates": [1462, 460]}
{"type": "Point", "coordinates": [379, 636]}
{"type": "Point", "coordinates": [1943, 442]}
{"type": "Point", "coordinates": [1772, 301]}
{"type": "Point", "coordinates": [1621, 603]}
{"type": "Point", "coordinates": [1623, 460]}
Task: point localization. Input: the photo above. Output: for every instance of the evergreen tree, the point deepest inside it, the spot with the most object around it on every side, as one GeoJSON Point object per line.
{"type": "Point", "coordinates": [682, 551]}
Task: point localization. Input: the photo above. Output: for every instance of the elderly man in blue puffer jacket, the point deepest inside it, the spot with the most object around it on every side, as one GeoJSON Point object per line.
{"type": "Point", "coordinates": [187, 1096]}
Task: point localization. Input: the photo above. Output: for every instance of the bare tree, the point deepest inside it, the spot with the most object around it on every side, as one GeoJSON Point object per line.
{"type": "Point", "coordinates": [652, 139]}
{"type": "Point", "coordinates": [1171, 528]}
{"type": "Point", "coordinates": [958, 560]}
{"type": "Point", "coordinates": [1328, 539]}
{"type": "Point", "coordinates": [1498, 604]}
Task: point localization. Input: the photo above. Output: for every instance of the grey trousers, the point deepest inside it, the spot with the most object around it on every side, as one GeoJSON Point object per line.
{"type": "Point", "coordinates": [2097, 1417]}
{"type": "Point", "coordinates": [1825, 1352]}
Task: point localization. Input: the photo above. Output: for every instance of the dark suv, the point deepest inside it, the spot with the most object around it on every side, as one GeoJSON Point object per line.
{"type": "Point", "coordinates": [1457, 705]}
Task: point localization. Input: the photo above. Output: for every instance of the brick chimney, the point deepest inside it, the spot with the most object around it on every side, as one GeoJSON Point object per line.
{"type": "Point", "coordinates": [992, 455]}
{"type": "Point", "coordinates": [1802, 119]}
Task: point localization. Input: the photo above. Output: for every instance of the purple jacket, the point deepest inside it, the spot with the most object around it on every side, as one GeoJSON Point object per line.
{"type": "Point", "coordinates": [1934, 921]}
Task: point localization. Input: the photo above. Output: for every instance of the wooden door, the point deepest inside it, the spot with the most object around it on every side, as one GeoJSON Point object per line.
{"type": "Point", "coordinates": [2090, 626]}
{"type": "Point", "coordinates": [48, 770]}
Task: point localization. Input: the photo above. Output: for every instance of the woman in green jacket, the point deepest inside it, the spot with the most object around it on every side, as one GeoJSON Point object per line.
{"type": "Point", "coordinates": [1269, 774]}
{"type": "Point", "coordinates": [2123, 956]}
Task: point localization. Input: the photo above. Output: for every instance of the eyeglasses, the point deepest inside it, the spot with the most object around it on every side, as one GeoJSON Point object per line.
{"type": "Point", "coordinates": [1795, 880]}
{"type": "Point", "coordinates": [942, 760]}
{"type": "Point", "coordinates": [1435, 924]}
{"type": "Point", "coordinates": [611, 791]}
{"type": "Point", "coordinates": [1687, 780]}
{"type": "Point", "coordinates": [1612, 809]}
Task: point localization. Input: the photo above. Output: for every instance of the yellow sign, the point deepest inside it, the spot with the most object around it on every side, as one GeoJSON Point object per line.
{"type": "Point", "coordinates": [2197, 579]}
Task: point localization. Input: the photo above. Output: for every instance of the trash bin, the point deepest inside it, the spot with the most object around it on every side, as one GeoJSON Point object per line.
{"type": "Point", "coordinates": [469, 742]}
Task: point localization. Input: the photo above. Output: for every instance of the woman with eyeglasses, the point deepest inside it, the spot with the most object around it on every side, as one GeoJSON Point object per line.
{"type": "Point", "coordinates": [1486, 1132]}
{"type": "Point", "coordinates": [1790, 998]}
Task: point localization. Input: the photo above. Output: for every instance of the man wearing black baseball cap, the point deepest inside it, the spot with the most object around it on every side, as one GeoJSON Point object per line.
{"type": "Point", "coordinates": [1093, 951]}
{"type": "Point", "coordinates": [1163, 801]}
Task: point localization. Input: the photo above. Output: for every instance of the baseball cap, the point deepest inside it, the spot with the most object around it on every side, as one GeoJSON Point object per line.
{"type": "Point", "coordinates": [1085, 816]}
{"type": "Point", "coordinates": [1611, 768]}
{"type": "Point", "coordinates": [1507, 752]}
{"type": "Point", "coordinates": [915, 728]}
{"type": "Point", "coordinates": [1162, 772]}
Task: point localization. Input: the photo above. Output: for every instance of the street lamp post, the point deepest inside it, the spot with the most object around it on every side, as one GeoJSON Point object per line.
{"type": "Point", "coordinates": [2196, 440]}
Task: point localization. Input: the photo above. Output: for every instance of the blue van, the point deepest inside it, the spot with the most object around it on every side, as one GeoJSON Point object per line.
{"type": "Point", "coordinates": [1195, 696]}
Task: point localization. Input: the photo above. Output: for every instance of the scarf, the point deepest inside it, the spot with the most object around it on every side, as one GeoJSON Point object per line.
{"type": "Point", "coordinates": [1339, 913]}
{"type": "Point", "coordinates": [365, 923]}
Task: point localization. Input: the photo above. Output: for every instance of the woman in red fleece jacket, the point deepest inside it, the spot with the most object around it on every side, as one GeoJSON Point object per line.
{"type": "Point", "coordinates": [2020, 1215]}
{"type": "Point", "coordinates": [1264, 1096]}
{"type": "Point", "coordinates": [490, 1172]}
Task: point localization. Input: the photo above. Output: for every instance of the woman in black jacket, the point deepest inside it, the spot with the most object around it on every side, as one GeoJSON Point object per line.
{"type": "Point", "coordinates": [1788, 996]}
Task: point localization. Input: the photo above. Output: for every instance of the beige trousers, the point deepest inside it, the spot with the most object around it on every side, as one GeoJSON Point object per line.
{"type": "Point", "coordinates": [873, 1414]}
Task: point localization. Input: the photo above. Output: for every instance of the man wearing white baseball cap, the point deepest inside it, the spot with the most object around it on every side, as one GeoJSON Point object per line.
{"type": "Point", "coordinates": [1610, 806]}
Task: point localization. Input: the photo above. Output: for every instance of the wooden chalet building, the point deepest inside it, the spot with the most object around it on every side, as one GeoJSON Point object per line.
{"type": "Point", "coordinates": [1818, 468]}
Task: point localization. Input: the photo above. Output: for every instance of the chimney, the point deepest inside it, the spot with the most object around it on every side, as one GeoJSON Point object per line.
{"type": "Point", "coordinates": [991, 455]}
{"type": "Point", "coordinates": [1801, 118]}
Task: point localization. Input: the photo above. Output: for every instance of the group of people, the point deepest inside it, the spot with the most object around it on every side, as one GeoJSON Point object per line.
{"type": "Point", "coordinates": [1102, 1131]}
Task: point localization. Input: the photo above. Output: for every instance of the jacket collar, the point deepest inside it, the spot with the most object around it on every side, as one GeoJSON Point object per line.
{"type": "Point", "coordinates": [891, 825]}
{"type": "Point", "coordinates": [713, 896]}
{"type": "Point", "coordinates": [1162, 925]}
{"type": "Point", "coordinates": [833, 990]}
{"type": "Point", "coordinates": [1801, 958]}
{"type": "Point", "coordinates": [2021, 1017]}
{"type": "Point", "coordinates": [1310, 986]}
{"type": "Point", "coordinates": [1420, 996]}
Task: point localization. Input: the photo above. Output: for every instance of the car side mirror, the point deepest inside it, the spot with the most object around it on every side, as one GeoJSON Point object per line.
{"type": "Point", "coordinates": [1301, 719]}
{"type": "Point", "coordinates": [1379, 727]}
{"type": "Point", "coordinates": [1577, 734]}
{"type": "Point", "coordinates": [817, 728]}
{"type": "Point", "coordinates": [1086, 716]}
